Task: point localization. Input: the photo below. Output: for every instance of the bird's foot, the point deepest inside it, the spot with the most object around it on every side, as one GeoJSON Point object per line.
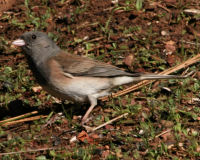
{"type": "Point", "coordinates": [88, 128]}
{"type": "Point", "coordinates": [84, 121]}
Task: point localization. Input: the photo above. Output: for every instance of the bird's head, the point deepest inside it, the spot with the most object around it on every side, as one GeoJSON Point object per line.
{"type": "Point", "coordinates": [37, 45]}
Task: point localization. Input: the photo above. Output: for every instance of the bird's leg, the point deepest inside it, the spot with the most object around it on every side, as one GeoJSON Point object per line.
{"type": "Point", "coordinates": [93, 102]}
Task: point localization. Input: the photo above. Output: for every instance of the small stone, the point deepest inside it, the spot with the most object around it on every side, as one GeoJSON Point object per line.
{"type": "Point", "coordinates": [164, 33]}
{"type": "Point", "coordinates": [141, 132]}
{"type": "Point", "coordinates": [107, 147]}
{"type": "Point", "coordinates": [114, 1]}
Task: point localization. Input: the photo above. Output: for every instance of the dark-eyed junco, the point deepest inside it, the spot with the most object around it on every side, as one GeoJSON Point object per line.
{"type": "Point", "coordinates": [72, 77]}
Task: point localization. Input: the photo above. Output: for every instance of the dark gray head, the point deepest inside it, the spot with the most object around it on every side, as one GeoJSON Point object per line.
{"type": "Point", "coordinates": [37, 45]}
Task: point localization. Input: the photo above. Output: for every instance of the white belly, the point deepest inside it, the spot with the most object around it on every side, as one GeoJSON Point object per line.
{"type": "Point", "coordinates": [78, 88]}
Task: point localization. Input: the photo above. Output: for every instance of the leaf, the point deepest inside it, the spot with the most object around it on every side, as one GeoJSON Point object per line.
{"type": "Point", "coordinates": [170, 47]}
{"type": "Point", "coordinates": [129, 60]}
{"type": "Point", "coordinates": [7, 70]}
{"type": "Point", "coordinates": [84, 137]}
{"type": "Point", "coordinates": [37, 89]}
{"type": "Point", "coordinates": [139, 4]}
{"type": "Point", "coordinates": [41, 158]}
{"type": "Point", "coordinates": [6, 5]}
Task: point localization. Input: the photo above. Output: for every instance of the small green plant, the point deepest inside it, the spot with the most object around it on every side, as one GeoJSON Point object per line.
{"type": "Point", "coordinates": [38, 22]}
{"type": "Point", "coordinates": [139, 4]}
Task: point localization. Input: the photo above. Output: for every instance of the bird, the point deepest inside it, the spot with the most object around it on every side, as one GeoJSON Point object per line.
{"type": "Point", "coordinates": [73, 77]}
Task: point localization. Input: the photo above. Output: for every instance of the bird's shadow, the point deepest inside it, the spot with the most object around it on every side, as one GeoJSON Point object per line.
{"type": "Point", "coordinates": [15, 108]}
{"type": "Point", "coordinates": [18, 107]}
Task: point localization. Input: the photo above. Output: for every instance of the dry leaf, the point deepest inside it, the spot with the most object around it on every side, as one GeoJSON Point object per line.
{"type": "Point", "coordinates": [76, 117]}
{"type": "Point", "coordinates": [166, 123]}
{"type": "Point", "coordinates": [167, 136]}
{"type": "Point", "coordinates": [84, 137]}
{"type": "Point", "coordinates": [37, 89]}
{"type": "Point", "coordinates": [109, 127]}
{"type": "Point", "coordinates": [107, 147]}
{"type": "Point", "coordinates": [170, 47]}
{"type": "Point", "coordinates": [6, 5]}
{"type": "Point", "coordinates": [114, 37]}
{"type": "Point", "coordinates": [94, 136]}
{"type": "Point", "coordinates": [171, 59]}
{"type": "Point", "coordinates": [129, 60]}
{"type": "Point", "coordinates": [119, 153]}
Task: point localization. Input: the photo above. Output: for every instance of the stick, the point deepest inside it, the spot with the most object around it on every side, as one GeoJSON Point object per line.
{"type": "Point", "coordinates": [169, 130]}
{"type": "Point", "coordinates": [109, 122]}
{"type": "Point", "coordinates": [164, 132]}
{"type": "Point", "coordinates": [90, 129]}
{"type": "Point", "coordinates": [31, 150]}
{"type": "Point", "coordinates": [24, 120]}
{"type": "Point", "coordinates": [19, 117]}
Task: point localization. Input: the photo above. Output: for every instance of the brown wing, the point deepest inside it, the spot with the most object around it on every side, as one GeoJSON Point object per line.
{"type": "Point", "coordinates": [81, 66]}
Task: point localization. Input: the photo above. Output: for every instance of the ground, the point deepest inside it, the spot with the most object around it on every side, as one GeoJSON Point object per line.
{"type": "Point", "coordinates": [135, 35]}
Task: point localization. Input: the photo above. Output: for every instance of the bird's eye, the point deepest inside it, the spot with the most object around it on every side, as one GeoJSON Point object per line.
{"type": "Point", "coordinates": [33, 36]}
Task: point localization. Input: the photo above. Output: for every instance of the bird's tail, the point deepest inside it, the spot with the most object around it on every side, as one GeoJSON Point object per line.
{"type": "Point", "coordinates": [150, 76]}
{"type": "Point", "coordinates": [142, 76]}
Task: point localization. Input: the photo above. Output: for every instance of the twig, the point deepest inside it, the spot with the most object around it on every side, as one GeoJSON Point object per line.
{"type": "Point", "coordinates": [164, 132]}
{"type": "Point", "coordinates": [109, 122]}
{"type": "Point", "coordinates": [87, 24]}
{"type": "Point", "coordinates": [95, 39]}
{"type": "Point", "coordinates": [146, 82]}
{"type": "Point", "coordinates": [161, 6]}
{"type": "Point", "coordinates": [95, 48]}
{"type": "Point", "coordinates": [192, 43]}
{"type": "Point", "coordinates": [169, 130]}
{"type": "Point", "coordinates": [19, 117]}
{"type": "Point", "coordinates": [31, 150]}
{"type": "Point", "coordinates": [24, 120]}
{"type": "Point", "coordinates": [91, 129]}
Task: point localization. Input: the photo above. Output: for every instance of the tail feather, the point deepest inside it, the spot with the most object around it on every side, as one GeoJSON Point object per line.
{"type": "Point", "coordinates": [136, 78]}
{"type": "Point", "coordinates": [157, 76]}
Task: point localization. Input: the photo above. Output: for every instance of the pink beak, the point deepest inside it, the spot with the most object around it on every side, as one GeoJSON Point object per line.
{"type": "Point", "coordinates": [19, 42]}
